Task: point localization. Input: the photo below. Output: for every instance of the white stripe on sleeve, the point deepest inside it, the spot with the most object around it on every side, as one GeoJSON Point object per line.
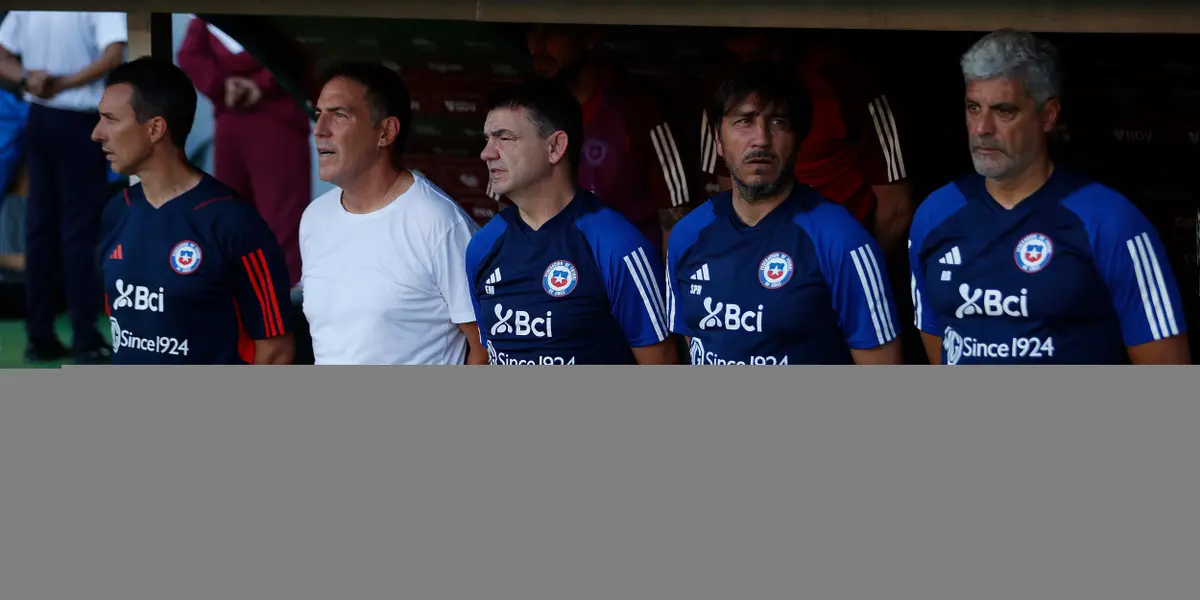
{"type": "Point", "coordinates": [643, 279]}
{"type": "Point", "coordinates": [889, 138]}
{"type": "Point", "coordinates": [868, 292]}
{"type": "Point", "coordinates": [668, 159]}
{"type": "Point", "coordinates": [1156, 302]}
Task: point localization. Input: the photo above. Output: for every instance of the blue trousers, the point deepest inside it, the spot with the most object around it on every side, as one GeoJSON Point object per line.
{"type": "Point", "coordinates": [68, 185]}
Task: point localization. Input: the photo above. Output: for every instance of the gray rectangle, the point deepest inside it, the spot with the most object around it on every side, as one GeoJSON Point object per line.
{"type": "Point", "coordinates": [599, 482]}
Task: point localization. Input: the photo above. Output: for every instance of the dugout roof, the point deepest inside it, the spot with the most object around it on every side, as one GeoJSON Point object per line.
{"type": "Point", "coordinates": [1114, 16]}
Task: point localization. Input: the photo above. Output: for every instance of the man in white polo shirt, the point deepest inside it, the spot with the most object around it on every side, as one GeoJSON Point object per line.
{"type": "Point", "coordinates": [383, 252]}
{"type": "Point", "coordinates": [64, 57]}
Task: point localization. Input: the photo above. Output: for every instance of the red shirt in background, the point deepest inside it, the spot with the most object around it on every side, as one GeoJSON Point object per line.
{"type": "Point", "coordinates": [630, 158]}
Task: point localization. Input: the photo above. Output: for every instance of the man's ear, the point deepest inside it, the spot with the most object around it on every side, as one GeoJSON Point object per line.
{"type": "Point", "coordinates": [556, 146]}
{"type": "Point", "coordinates": [717, 138]}
{"type": "Point", "coordinates": [1050, 113]}
{"type": "Point", "coordinates": [389, 131]}
{"type": "Point", "coordinates": [156, 127]}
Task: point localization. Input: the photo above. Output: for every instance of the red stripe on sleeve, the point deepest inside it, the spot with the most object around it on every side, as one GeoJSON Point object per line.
{"type": "Point", "coordinates": [274, 301]}
{"type": "Point", "coordinates": [270, 305]}
{"type": "Point", "coordinates": [255, 283]}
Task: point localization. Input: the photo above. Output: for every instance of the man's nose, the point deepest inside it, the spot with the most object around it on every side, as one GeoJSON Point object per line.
{"type": "Point", "coordinates": [760, 135]}
{"type": "Point", "coordinates": [321, 127]}
{"type": "Point", "coordinates": [983, 125]}
{"type": "Point", "coordinates": [488, 152]}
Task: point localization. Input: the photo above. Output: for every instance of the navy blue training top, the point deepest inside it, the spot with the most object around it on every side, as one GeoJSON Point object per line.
{"type": "Point", "coordinates": [584, 288]}
{"type": "Point", "coordinates": [194, 281]}
{"type": "Point", "coordinates": [1073, 274]}
{"type": "Point", "coordinates": [804, 285]}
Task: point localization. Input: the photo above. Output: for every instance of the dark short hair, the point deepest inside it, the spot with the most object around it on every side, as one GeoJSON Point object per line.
{"type": "Point", "coordinates": [772, 84]}
{"type": "Point", "coordinates": [550, 106]}
{"type": "Point", "coordinates": [387, 94]}
{"type": "Point", "coordinates": [160, 89]}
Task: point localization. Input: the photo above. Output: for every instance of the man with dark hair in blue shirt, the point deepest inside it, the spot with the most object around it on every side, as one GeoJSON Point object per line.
{"type": "Point", "coordinates": [192, 274]}
{"type": "Point", "coordinates": [558, 278]}
{"type": "Point", "coordinates": [1027, 262]}
{"type": "Point", "coordinates": [771, 272]}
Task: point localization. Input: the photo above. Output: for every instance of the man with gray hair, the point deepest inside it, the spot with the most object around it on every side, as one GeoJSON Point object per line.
{"type": "Point", "coordinates": [1026, 261]}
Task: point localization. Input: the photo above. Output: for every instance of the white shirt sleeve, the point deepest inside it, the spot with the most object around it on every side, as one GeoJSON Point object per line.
{"type": "Point", "coordinates": [110, 28]}
{"type": "Point", "coordinates": [10, 31]}
{"type": "Point", "coordinates": [448, 257]}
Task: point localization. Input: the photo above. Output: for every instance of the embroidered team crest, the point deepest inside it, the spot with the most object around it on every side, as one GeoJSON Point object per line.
{"type": "Point", "coordinates": [560, 278]}
{"type": "Point", "coordinates": [1033, 252]}
{"type": "Point", "coordinates": [185, 257]}
{"type": "Point", "coordinates": [775, 270]}
{"type": "Point", "coordinates": [595, 151]}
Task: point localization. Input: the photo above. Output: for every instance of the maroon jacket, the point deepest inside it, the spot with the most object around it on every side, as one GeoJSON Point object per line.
{"type": "Point", "coordinates": [208, 63]}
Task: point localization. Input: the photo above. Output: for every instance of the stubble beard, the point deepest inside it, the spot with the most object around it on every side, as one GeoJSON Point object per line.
{"type": "Point", "coordinates": [752, 193]}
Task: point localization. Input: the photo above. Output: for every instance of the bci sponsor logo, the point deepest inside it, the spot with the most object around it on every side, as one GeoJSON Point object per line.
{"type": "Point", "coordinates": [521, 323]}
{"type": "Point", "coordinates": [139, 297]}
{"type": "Point", "coordinates": [991, 303]}
{"type": "Point", "coordinates": [731, 317]}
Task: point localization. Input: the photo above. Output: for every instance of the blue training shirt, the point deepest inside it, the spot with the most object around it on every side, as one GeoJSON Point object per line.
{"type": "Point", "coordinates": [194, 281]}
{"type": "Point", "coordinates": [584, 288]}
{"type": "Point", "coordinates": [805, 285]}
{"type": "Point", "coordinates": [1073, 274]}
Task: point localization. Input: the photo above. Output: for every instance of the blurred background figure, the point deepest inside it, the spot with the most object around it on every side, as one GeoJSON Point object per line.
{"type": "Point", "coordinates": [630, 158]}
{"type": "Point", "coordinates": [14, 186]}
{"type": "Point", "coordinates": [59, 60]}
{"type": "Point", "coordinates": [260, 139]}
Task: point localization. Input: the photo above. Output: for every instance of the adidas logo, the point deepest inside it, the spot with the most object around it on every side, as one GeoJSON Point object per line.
{"type": "Point", "coordinates": [701, 274]}
{"type": "Point", "coordinates": [951, 258]}
{"type": "Point", "coordinates": [489, 285]}
{"type": "Point", "coordinates": [117, 253]}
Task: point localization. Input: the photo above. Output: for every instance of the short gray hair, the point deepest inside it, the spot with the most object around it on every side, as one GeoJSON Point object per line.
{"type": "Point", "coordinates": [1018, 54]}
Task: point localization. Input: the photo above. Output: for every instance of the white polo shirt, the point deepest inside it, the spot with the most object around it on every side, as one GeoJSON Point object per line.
{"type": "Point", "coordinates": [63, 43]}
{"type": "Point", "coordinates": [388, 287]}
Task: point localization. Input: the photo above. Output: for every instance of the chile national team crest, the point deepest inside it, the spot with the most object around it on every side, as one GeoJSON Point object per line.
{"type": "Point", "coordinates": [595, 151]}
{"type": "Point", "coordinates": [775, 270]}
{"type": "Point", "coordinates": [560, 278]}
{"type": "Point", "coordinates": [1033, 252]}
{"type": "Point", "coordinates": [185, 257]}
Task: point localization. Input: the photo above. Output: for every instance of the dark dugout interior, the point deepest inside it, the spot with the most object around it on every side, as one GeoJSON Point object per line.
{"type": "Point", "coordinates": [1131, 114]}
{"type": "Point", "coordinates": [1131, 101]}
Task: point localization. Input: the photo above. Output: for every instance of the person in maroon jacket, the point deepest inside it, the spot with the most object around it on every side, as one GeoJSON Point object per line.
{"type": "Point", "coordinates": [260, 143]}
{"type": "Point", "coordinates": [629, 157]}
